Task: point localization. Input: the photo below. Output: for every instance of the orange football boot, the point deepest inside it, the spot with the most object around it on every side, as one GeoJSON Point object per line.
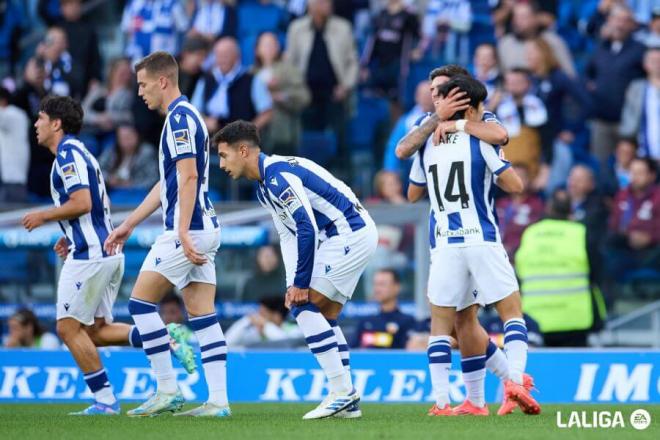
{"type": "Point", "coordinates": [468, 408]}
{"type": "Point", "coordinates": [520, 395]}
{"type": "Point", "coordinates": [509, 405]}
{"type": "Point", "coordinates": [436, 411]}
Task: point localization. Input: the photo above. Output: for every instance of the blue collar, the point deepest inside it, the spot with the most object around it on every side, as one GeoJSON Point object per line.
{"type": "Point", "coordinates": [262, 171]}
{"type": "Point", "coordinates": [65, 139]}
{"type": "Point", "coordinates": [174, 103]}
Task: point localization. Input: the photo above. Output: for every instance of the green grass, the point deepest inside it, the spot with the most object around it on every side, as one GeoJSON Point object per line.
{"type": "Point", "coordinates": [283, 421]}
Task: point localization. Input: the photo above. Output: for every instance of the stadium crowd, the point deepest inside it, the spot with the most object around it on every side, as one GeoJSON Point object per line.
{"type": "Point", "coordinates": [575, 83]}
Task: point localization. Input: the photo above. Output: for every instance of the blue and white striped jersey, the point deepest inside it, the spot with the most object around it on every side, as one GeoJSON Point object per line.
{"type": "Point", "coordinates": [75, 168]}
{"type": "Point", "coordinates": [308, 204]}
{"type": "Point", "coordinates": [458, 174]}
{"type": "Point", "coordinates": [185, 136]}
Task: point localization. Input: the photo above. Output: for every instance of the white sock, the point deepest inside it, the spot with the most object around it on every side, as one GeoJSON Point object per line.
{"type": "Point", "coordinates": [515, 346]}
{"type": "Point", "coordinates": [497, 362]}
{"type": "Point", "coordinates": [344, 352]}
{"type": "Point", "coordinates": [323, 343]}
{"type": "Point", "coordinates": [439, 356]}
{"type": "Point", "coordinates": [474, 375]}
{"type": "Point", "coordinates": [155, 341]}
{"type": "Point", "coordinates": [99, 384]}
{"type": "Point", "coordinates": [214, 356]}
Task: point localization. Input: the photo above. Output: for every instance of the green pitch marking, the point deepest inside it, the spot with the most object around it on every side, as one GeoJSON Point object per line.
{"type": "Point", "coordinates": [283, 421]}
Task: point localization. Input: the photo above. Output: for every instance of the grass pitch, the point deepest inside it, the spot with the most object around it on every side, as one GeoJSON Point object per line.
{"type": "Point", "coordinates": [283, 421]}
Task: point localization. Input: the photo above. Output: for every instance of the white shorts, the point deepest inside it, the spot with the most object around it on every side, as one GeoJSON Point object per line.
{"type": "Point", "coordinates": [340, 261]}
{"type": "Point", "coordinates": [87, 289]}
{"type": "Point", "coordinates": [167, 258]}
{"type": "Point", "coordinates": [462, 276]}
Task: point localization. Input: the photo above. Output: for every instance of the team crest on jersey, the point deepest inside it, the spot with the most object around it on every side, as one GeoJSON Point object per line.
{"type": "Point", "coordinates": [182, 142]}
{"type": "Point", "coordinates": [290, 200]}
{"type": "Point", "coordinates": [70, 174]}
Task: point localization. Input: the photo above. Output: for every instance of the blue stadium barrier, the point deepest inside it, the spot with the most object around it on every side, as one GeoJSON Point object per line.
{"type": "Point", "coordinates": [562, 376]}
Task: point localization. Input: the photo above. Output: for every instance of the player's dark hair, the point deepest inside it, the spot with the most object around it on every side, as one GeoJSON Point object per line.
{"type": "Point", "coordinates": [160, 63]}
{"type": "Point", "coordinates": [275, 304]}
{"type": "Point", "coordinates": [66, 109]}
{"type": "Point", "coordinates": [450, 71]}
{"type": "Point", "coordinates": [395, 275]}
{"type": "Point", "coordinates": [237, 131]}
{"type": "Point", "coordinates": [473, 88]}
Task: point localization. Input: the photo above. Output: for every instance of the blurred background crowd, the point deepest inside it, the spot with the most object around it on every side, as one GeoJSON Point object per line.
{"type": "Point", "coordinates": [576, 84]}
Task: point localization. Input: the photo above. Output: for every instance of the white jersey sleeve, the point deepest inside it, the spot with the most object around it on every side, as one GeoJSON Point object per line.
{"type": "Point", "coordinates": [72, 168]}
{"type": "Point", "coordinates": [417, 175]}
{"type": "Point", "coordinates": [494, 158]}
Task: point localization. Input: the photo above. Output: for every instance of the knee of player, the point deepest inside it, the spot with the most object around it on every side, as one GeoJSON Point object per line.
{"type": "Point", "coordinates": [67, 329]}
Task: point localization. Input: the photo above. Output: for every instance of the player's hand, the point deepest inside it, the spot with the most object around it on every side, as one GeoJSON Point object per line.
{"type": "Point", "coordinates": [115, 242]}
{"type": "Point", "coordinates": [444, 127]}
{"type": "Point", "coordinates": [33, 220]}
{"type": "Point", "coordinates": [296, 297]}
{"type": "Point", "coordinates": [61, 248]}
{"type": "Point", "coordinates": [446, 106]}
{"type": "Point", "coordinates": [189, 249]}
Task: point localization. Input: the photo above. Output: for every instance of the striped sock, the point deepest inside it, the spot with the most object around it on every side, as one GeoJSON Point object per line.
{"type": "Point", "coordinates": [439, 355]}
{"type": "Point", "coordinates": [474, 373]}
{"type": "Point", "coordinates": [98, 383]}
{"type": "Point", "coordinates": [323, 343]}
{"type": "Point", "coordinates": [344, 352]}
{"type": "Point", "coordinates": [214, 356]}
{"type": "Point", "coordinates": [155, 341]}
{"type": "Point", "coordinates": [134, 337]}
{"type": "Point", "coordinates": [515, 346]}
{"type": "Point", "coordinates": [496, 361]}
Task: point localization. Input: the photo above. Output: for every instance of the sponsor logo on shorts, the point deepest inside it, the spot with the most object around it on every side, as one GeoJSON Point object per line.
{"type": "Point", "coordinates": [66, 306]}
{"type": "Point", "coordinates": [475, 292]}
{"type": "Point", "coordinates": [177, 243]}
{"type": "Point", "coordinates": [327, 268]}
{"type": "Point", "coordinates": [78, 285]}
{"type": "Point", "coordinates": [347, 249]}
{"type": "Point", "coordinates": [158, 260]}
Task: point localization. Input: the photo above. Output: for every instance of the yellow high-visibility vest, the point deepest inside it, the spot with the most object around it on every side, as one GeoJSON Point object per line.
{"type": "Point", "coordinates": [553, 267]}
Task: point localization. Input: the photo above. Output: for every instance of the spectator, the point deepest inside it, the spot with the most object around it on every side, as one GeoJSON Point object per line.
{"type": "Point", "coordinates": [640, 116]}
{"type": "Point", "coordinates": [28, 97]}
{"type": "Point", "coordinates": [526, 27]}
{"type": "Point", "coordinates": [268, 275]}
{"type": "Point", "coordinates": [423, 106]}
{"type": "Point", "coordinates": [390, 328]}
{"type": "Point", "coordinates": [617, 176]}
{"type": "Point", "coordinates": [486, 68]}
{"type": "Point", "coordinates": [131, 163]}
{"type": "Point", "coordinates": [62, 78]}
{"type": "Point", "coordinates": [14, 150]}
{"type": "Point", "coordinates": [229, 92]}
{"type": "Point", "coordinates": [171, 312]}
{"type": "Point", "coordinates": [555, 88]}
{"type": "Point", "coordinates": [388, 188]}
{"type": "Point", "coordinates": [517, 211]}
{"type": "Point", "coordinates": [634, 241]}
{"type": "Point", "coordinates": [267, 325]}
{"type": "Point", "coordinates": [84, 47]}
{"type": "Point", "coordinates": [105, 108]}
{"type": "Point", "coordinates": [214, 19]}
{"type": "Point", "coordinates": [191, 61]}
{"type": "Point", "coordinates": [614, 64]}
{"type": "Point", "coordinates": [289, 93]}
{"type": "Point", "coordinates": [522, 113]}
{"type": "Point", "coordinates": [651, 37]}
{"type": "Point", "coordinates": [555, 279]}
{"type": "Point", "coordinates": [11, 24]}
{"type": "Point", "coordinates": [25, 331]}
{"type": "Point", "coordinates": [321, 46]}
{"type": "Point", "coordinates": [388, 50]}
{"type": "Point", "coordinates": [502, 11]}
{"type": "Point", "coordinates": [153, 25]}
{"type": "Point", "coordinates": [445, 30]}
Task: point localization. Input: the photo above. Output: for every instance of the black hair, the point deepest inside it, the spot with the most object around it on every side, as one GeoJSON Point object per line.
{"type": "Point", "coordinates": [450, 71]}
{"type": "Point", "coordinates": [66, 109]}
{"type": "Point", "coordinates": [237, 131]}
{"type": "Point", "coordinates": [274, 303]}
{"type": "Point", "coordinates": [559, 205]}
{"type": "Point", "coordinates": [26, 317]}
{"type": "Point", "coordinates": [474, 89]}
{"type": "Point", "coordinates": [5, 95]}
{"type": "Point", "coordinates": [395, 275]}
{"type": "Point", "coordinates": [521, 71]}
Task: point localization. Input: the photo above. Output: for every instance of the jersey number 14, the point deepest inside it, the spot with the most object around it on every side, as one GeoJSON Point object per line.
{"type": "Point", "coordinates": [456, 172]}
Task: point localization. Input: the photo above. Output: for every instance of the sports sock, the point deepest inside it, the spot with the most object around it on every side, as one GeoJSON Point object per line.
{"type": "Point", "coordinates": [496, 361]}
{"type": "Point", "coordinates": [98, 383]}
{"type": "Point", "coordinates": [439, 356]}
{"type": "Point", "coordinates": [155, 341]}
{"type": "Point", "coordinates": [474, 375]}
{"type": "Point", "coordinates": [344, 352]}
{"type": "Point", "coordinates": [134, 337]}
{"type": "Point", "coordinates": [213, 347]}
{"type": "Point", "coordinates": [515, 346]}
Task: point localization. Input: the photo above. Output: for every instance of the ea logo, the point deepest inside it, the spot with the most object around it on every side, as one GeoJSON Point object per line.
{"type": "Point", "coordinates": [640, 419]}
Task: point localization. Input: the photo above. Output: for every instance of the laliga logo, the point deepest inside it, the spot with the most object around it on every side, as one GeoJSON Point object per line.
{"type": "Point", "coordinates": [639, 419]}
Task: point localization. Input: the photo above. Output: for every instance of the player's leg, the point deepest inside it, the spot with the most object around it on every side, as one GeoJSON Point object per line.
{"type": "Point", "coordinates": [439, 357]}
{"type": "Point", "coordinates": [199, 299]}
{"type": "Point", "coordinates": [473, 341]}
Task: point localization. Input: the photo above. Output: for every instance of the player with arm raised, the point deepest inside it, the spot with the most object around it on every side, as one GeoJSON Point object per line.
{"type": "Point", "coordinates": [183, 256]}
{"type": "Point", "coordinates": [459, 172]}
{"type": "Point", "coordinates": [327, 238]}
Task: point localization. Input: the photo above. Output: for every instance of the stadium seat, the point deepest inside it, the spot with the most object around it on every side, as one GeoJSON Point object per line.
{"type": "Point", "coordinates": [127, 196]}
{"type": "Point", "coordinates": [318, 146]}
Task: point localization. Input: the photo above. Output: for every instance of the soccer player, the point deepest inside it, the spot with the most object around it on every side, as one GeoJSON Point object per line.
{"type": "Point", "coordinates": [327, 239]}
{"type": "Point", "coordinates": [183, 256]}
{"type": "Point", "coordinates": [459, 172]}
{"type": "Point", "coordinates": [90, 277]}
